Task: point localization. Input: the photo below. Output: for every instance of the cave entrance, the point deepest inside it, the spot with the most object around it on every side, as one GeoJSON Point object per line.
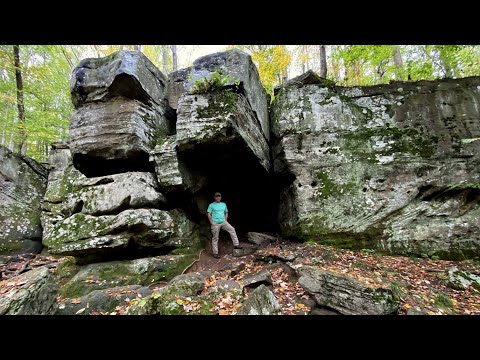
{"type": "Point", "coordinates": [247, 188]}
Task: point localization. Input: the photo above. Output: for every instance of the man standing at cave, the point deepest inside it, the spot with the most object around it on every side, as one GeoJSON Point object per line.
{"type": "Point", "coordinates": [217, 215]}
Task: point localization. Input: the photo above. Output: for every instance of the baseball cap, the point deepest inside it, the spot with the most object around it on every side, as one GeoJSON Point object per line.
{"type": "Point", "coordinates": [217, 193]}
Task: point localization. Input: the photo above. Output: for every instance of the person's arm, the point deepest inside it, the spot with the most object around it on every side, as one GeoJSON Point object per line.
{"type": "Point", "coordinates": [210, 218]}
{"type": "Point", "coordinates": [226, 215]}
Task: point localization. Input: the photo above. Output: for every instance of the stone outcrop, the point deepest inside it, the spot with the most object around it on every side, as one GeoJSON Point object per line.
{"type": "Point", "coordinates": [259, 238]}
{"type": "Point", "coordinates": [253, 280]}
{"type": "Point", "coordinates": [345, 294]}
{"type": "Point", "coordinates": [393, 166]}
{"type": "Point", "coordinates": [112, 274]}
{"type": "Point", "coordinates": [111, 194]}
{"type": "Point", "coordinates": [221, 117]}
{"type": "Point", "coordinates": [177, 85]}
{"type": "Point", "coordinates": [261, 302]}
{"type": "Point", "coordinates": [167, 166]}
{"type": "Point", "coordinates": [22, 186]}
{"type": "Point", "coordinates": [234, 67]}
{"type": "Point", "coordinates": [129, 74]}
{"type": "Point", "coordinates": [120, 113]}
{"type": "Point", "coordinates": [31, 293]}
{"type": "Point", "coordinates": [102, 301]}
{"type": "Point", "coordinates": [93, 216]}
{"type": "Point", "coordinates": [461, 280]}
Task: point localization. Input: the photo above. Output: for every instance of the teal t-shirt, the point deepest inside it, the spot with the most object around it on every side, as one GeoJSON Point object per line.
{"type": "Point", "coordinates": [218, 210]}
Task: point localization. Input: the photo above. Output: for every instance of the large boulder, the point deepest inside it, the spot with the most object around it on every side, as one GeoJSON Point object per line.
{"type": "Point", "coordinates": [90, 217]}
{"type": "Point", "coordinates": [221, 118]}
{"type": "Point", "coordinates": [261, 302]}
{"type": "Point", "coordinates": [31, 293]}
{"type": "Point", "coordinates": [233, 67]}
{"type": "Point", "coordinates": [106, 275]}
{"type": "Point", "coordinates": [22, 186]}
{"type": "Point", "coordinates": [121, 113]}
{"type": "Point", "coordinates": [345, 294]}
{"type": "Point", "coordinates": [111, 194]}
{"type": "Point", "coordinates": [128, 74]}
{"type": "Point", "coordinates": [389, 166]}
{"type": "Point", "coordinates": [115, 136]}
{"type": "Point", "coordinates": [82, 234]}
{"type": "Point", "coordinates": [103, 301]}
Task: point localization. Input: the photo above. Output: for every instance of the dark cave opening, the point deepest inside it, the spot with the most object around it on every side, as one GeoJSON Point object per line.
{"type": "Point", "coordinates": [247, 188]}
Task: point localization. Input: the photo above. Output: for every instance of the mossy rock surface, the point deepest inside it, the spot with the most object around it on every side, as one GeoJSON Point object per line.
{"type": "Point", "coordinates": [127, 272]}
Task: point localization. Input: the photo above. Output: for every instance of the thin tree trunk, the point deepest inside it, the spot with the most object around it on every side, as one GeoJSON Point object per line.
{"type": "Point", "coordinates": [165, 59]}
{"type": "Point", "coordinates": [121, 47]}
{"type": "Point", "coordinates": [174, 57]}
{"type": "Point", "coordinates": [66, 57]}
{"type": "Point", "coordinates": [323, 61]}
{"type": "Point", "coordinates": [398, 62]}
{"type": "Point", "coordinates": [138, 47]}
{"type": "Point", "coordinates": [97, 51]}
{"type": "Point", "coordinates": [20, 104]}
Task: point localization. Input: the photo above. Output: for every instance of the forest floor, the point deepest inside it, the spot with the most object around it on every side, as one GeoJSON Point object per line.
{"type": "Point", "coordinates": [418, 282]}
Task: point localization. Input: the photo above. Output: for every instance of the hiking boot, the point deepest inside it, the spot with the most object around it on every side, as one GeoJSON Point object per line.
{"type": "Point", "coordinates": [238, 246]}
{"type": "Point", "coordinates": [216, 256]}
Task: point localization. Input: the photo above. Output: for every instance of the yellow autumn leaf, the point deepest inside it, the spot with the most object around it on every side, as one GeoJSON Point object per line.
{"type": "Point", "coordinates": [179, 301]}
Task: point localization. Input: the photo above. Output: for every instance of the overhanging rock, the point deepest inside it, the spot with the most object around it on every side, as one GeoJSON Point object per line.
{"type": "Point", "coordinates": [235, 64]}
{"type": "Point", "coordinates": [121, 113]}
{"type": "Point", "coordinates": [386, 166]}
{"type": "Point", "coordinates": [220, 118]}
{"type": "Point", "coordinates": [129, 74]}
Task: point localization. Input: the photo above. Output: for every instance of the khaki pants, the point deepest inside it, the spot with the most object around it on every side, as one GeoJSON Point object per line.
{"type": "Point", "coordinates": [216, 230]}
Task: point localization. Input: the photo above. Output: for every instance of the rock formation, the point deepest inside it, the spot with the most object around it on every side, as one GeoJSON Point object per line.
{"type": "Point", "coordinates": [393, 167]}
{"type": "Point", "coordinates": [22, 186]}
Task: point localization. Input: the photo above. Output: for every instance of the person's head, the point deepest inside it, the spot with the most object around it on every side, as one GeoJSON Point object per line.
{"type": "Point", "coordinates": [217, 197]}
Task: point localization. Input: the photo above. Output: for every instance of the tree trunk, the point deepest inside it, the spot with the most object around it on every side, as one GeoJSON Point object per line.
{"type": "Point", "coordinates": [97, 51]}
{"type": "Point", "coordinates": [165, 59]}
{"type": "Point", "coordinates": [138, 47]}
{"type": "Point", "coordinates": [121, 47]}
{"type": "Point", "coordinates": [174, 57]}
{"type": "Point", "coordinates": [323, 61]}
{"type": "Point", "coordinates": [20, 104]}
{"type": "Point", "coordinates": [397, 60]}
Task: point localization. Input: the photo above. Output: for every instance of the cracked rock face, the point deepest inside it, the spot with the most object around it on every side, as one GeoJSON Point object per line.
{"type": "Point", "coordinates": [384, 166]}
{"type": "Point", "coordinates": [240, 69]}
{"type": "Point", "coordinates": [120, 212]}
{"type": "Point", "coordinates": [120, 113]}
{"type": "Point", "coordinates": [22, 185]}
{"type": "Point", "coordinates": [129, 74]}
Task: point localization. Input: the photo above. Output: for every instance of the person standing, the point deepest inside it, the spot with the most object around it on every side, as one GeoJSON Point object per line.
{"type": "Point", "coordinates": [217, 213]}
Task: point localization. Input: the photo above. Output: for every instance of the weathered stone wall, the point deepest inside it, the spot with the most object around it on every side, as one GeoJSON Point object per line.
{"type": "Point", "coordinates": [387, 166]}
{"type": "Point", "coordinates": [22, 185]}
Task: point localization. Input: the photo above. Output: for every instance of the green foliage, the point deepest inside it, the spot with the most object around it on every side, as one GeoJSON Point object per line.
{"type": "Point", "coordinates": [374, 64]}
{"type": "Point", "coordinates": [443, 301]}
{"type": "Point", "coordinates": [272, 62]}
{"type": "Point", "coordinates": [215, 81]}
{"type": "Point", "coordinates": [398, 290]}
